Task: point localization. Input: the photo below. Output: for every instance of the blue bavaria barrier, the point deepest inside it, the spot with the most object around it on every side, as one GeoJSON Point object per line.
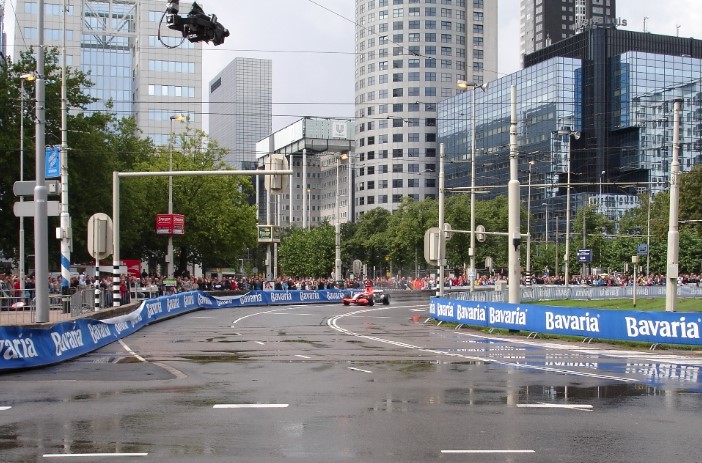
{"type": "Point", "coordinates": [615, 325]}
{"type": "Point", "coordinates": [22, 347]}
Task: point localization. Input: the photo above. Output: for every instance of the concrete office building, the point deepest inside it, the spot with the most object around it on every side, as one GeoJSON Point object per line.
{"type": "Point", "coordinates": [615, 90]}
{"type": "Point", "coordinates": [117, 43]}
{"type": "Point", "coordinates": [241, 109]}
{"type": "Point", "coordinates": [410, 54]}
{"type": "Point", "coordinates": [320, 190]}
{"type": "Point", "coordinates": [545, 22]}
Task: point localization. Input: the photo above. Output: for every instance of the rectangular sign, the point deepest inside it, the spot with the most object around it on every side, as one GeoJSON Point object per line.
{"type": "Point", "coordinates": [170, 224]}
{"type": "Point", "coordinates": [27, 209]}
{"type": "Point", "coordinates": [52, 163]}
{"type": "Point", "coordinates": [26, 187]}
{"type": "Point", "coordinates": [584, 256]}
{"type": "Point", "coordinates": [268, 234]}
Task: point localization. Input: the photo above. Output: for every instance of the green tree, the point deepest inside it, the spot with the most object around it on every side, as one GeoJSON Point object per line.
{"type": "Point", "coordinates": [90, 157]}
{"type": "Point", "coordinates": [308, 252]}
{"type": "Point", "coordinates": [367, 239]}
{"type": "Point", "coordinates": [406, 229]}
{"type": "Point", "coordinates": [219, 223]}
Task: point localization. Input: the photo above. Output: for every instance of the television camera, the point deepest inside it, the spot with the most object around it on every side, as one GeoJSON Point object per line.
{"type": "Point", "coordinates": [196, 26]}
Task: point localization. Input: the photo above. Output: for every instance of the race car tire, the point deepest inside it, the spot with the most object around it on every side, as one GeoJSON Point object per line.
{"type": "Point", "coordinates": [371, 301]}
{"type": "Point", "coordinates": [386, 299]}
{"type": "Point", "coordinates": [347, 303]}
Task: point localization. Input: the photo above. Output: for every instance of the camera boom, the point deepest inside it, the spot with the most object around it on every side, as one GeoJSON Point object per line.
{"type": "Point", "coordinates": [196, 26]}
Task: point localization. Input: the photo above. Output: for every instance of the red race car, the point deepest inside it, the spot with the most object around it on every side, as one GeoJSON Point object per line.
{"type": "Point", "coordinates": [367, 297]}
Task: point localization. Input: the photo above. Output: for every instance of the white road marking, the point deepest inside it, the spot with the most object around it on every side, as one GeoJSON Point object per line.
{"type": "Point", "coordinates": [134, 354]}
{"type": "Point", "coordinates": [73, 455]}
{"type": "Point", "coordinates": [486, 451]}
{"type": "Point", "coordinates": [418, 310]}
{"type": "Point", "coordinates": [302, 356]}
{"type": "Point", "coordinates": [250, 406]}
{"type": "Point", "coordinates": [2, 409]}
{"type": "Point", "coordinates": [175, 372]}
{"type": "Point", "coordinates": [584, 408]}
{"type": "Point", "coordinates": [260, 343]}
{"type": "Point", "coordinates": [333, 323]}
{"type": "Point", "coordinates": [359, 369]}
{"type": "Point", "coordinates": [204, 318]}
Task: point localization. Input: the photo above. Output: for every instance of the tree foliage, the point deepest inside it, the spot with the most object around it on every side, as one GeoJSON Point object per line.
{"type": "Point", "coordinates": [219, 223]}
{"type": "Point", "coordinates": [308, 252]}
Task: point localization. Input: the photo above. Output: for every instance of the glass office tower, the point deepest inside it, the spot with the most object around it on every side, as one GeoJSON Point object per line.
{"type": "Point", "coordinates": [615, 89]}
{"type": "Point", "coordinates": [116, 41]}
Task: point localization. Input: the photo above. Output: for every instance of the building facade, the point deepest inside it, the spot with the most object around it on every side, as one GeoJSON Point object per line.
{"type": "Point", "coordinates": [545, 22]}
{"type": "Point", "coordinates": [409, 56]}
{"type": "Point", "coordinates": [600, 105]}
{"type": "Point", "coordinates": [320, 153]}
{"type": "Point", "coordinates": [241, 109]}
{"type": "Point", "coordinates": [117, 43]}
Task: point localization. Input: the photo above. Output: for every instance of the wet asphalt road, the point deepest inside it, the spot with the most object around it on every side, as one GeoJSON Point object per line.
{"type": "Point", "coordinates": [329, 383]}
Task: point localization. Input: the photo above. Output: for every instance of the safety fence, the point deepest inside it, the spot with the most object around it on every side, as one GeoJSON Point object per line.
{"type": "Point", "coordinates": [558, 292]}
{"type": "Point", "coordinates": [21, 309]}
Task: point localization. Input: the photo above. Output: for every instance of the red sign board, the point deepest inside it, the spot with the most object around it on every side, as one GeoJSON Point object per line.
{"type": "Point", "coordinates": [133, 266]}
{"type": "Point", "coordinates": [170, 224]}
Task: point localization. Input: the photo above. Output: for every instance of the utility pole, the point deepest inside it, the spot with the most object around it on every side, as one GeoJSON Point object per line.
{"type": "Point", "coordinates": [41, 220]}
{"type": "Point", "coordinates": [514, 235]}
{"type": "Point", "coordinates": [671, 287]}
{"type": "Point", "coordinates": [65, 232]}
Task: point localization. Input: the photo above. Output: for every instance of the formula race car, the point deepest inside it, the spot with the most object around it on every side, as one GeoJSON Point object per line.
{"type": "Point", "coordinates": [367, 297]}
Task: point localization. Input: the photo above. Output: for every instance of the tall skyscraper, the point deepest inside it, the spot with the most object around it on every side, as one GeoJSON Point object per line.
{"type": "Point", "coordinates": [409, 56]}
{"type": "Point", "coordinates": [116, 41]}
{"type": "Point", "coordinates": [544, 22]}
{"type": "Point", "coordinates": [241, 109]}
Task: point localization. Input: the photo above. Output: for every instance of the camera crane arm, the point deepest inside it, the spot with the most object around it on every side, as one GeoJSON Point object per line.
{"type": "Point", "coordinates": [196, 26]}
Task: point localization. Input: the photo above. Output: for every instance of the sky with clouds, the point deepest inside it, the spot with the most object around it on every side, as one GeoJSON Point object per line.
{"type": "Point", "coordinates": [311, 43]}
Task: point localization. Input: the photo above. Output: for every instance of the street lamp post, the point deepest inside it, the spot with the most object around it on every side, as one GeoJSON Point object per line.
{"type": "Point", "coordinates": [601, 198]}
{"type": "Point", "coordinates": [462, 84]}
{"type": "Point", "coordinates": [309, 206]}
{"type": "Point", "coordinates": [23, 77]}
{"type": "Point", "coordinates": [546, 231]}
{"type": "Point", "coordinates": [337, 221]}
{"type": "Point", "coordinates": [528, 256]}
{"type": "Point", "coordinates": [569, 133]}
{"type": "Point", "coordinates": [169, 251]}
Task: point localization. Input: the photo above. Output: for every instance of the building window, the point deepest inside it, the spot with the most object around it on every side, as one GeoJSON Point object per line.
{"type": "Point", "coordinates": [397, 183]}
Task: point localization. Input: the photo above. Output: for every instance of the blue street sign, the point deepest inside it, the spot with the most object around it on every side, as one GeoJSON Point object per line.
{"type": "Point", "coordinates": [642, 249]}
{"type": "Point", "coordinates": [52, 163]}
{"type": "Point", "coordinates": [584, 256]}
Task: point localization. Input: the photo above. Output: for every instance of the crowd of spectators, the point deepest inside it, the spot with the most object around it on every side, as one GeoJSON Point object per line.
{"type": "Point", "coordinates": [147, 286]}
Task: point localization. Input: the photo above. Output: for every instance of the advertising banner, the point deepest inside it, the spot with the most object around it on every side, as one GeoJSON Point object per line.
{"type": "Point", "coordinates": [616, 325]}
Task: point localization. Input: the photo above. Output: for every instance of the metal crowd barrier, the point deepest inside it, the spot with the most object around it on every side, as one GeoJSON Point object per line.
{"type": "Point", "coordinates": [548, 292]}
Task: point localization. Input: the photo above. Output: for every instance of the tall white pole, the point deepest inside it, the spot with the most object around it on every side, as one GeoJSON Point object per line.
{"type": "Point", "coordinates": [671, 287]}
{"type": "Point", "coordinates": [304, 185]}
{"type": "Point", "coordinates": [528, 249]}
{"type": "Point", "coordinates": [648, 232]}
{"type": "Point", "coordinates": [169, 250]}
{"type": "Point", "coordinates": [471, 250]}
{"type": "Point", "coordinates": [442, 238]}
{"type": "Point", "coordinates": [65, 218]}
{"type": "Point", "coordinates": [337, 227]}
{"type": "Point", "coordinates": [514, 235]}
{"type": "Point", "coordinates": [566, 257]}
{"type": "Point", "coordinates": [21, 229]}
{"type": "Point", "coordinates": [41, 221]}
